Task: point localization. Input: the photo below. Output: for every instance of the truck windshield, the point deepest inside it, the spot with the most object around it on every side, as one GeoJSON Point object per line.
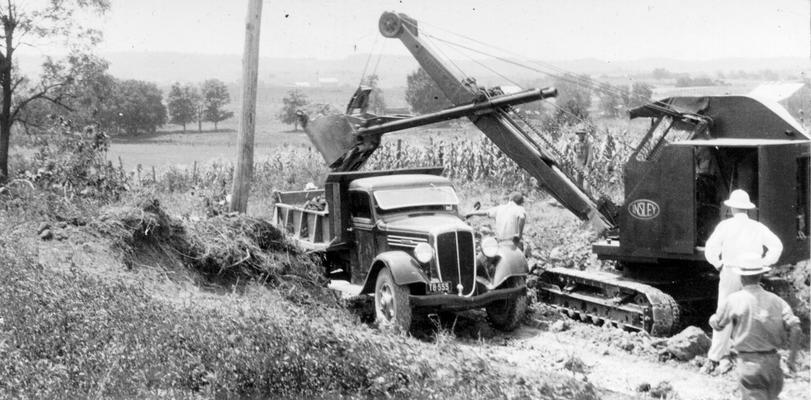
{"type": "Point", "coordinates": [416, 197]}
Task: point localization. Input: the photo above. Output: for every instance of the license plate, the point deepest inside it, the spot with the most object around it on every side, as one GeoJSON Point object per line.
{"type": "Point", "coordinates": [442, 287]}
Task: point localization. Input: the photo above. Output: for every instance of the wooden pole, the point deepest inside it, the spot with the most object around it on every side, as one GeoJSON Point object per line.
{"type": "Point", "coordinates": [247, 123]}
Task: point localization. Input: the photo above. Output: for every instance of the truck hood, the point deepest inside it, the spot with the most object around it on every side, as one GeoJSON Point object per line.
{"type": "Point", "coordinates": [432, 224]}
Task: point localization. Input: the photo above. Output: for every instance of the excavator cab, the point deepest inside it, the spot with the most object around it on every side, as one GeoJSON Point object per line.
{"type": "Point", "coordinates": [696, 152]}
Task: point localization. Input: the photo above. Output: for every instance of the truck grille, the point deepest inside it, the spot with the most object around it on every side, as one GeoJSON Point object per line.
{"type": "Point", "coordinates": [456, 259]}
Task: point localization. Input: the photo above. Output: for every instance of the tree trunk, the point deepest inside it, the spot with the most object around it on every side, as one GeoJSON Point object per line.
{"type": "Point", "coordinates": [199, 125]}
{"type": "Point", "coordinates": [184, 127]}
{"type": "Point", "coordinates": [5, 113]}
{"type": "Point", "coordinates": [215, 125]}
{"type": "Point", "coordinates": [5, 133]}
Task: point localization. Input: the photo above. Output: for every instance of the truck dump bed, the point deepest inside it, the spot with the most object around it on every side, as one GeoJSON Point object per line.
{"type": "Point", "coordinates": [304, 216]}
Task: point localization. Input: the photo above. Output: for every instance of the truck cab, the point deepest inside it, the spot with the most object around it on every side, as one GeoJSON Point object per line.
{"type": "Point", "coordinates": [396, 238]}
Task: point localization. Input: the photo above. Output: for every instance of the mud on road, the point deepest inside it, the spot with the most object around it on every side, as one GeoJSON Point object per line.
{"type": "Point", "coordinates": [622, 364]}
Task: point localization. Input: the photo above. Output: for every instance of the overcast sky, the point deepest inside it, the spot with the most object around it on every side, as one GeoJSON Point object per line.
{"type": "Point", "coordinates": [542, 29]}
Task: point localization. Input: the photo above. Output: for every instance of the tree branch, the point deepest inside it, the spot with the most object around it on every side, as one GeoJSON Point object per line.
{"type": "Point", "coordinates": [41, 95]}
{"type": "Point", "coordinates": [17, 83]}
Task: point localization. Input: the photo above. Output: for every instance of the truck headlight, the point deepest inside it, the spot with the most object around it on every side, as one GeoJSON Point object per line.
{"type": "Point", "coordinates": [489, 247]}
{"type": "Point", "coordinates": [423, 252]}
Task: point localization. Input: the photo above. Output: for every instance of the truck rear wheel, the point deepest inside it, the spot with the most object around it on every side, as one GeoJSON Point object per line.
{"type": "Point", "coordinates": [506, 315]}
{"type": "Point", "coordinates": [392, 308]}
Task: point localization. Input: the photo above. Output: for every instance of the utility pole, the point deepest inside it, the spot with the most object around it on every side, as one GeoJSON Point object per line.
{"type": "Point", "coordinates": [247, 122]}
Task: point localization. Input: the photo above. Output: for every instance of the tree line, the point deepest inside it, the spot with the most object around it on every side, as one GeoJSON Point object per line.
{"type": "Point", "coordinates": [572, 106]}
{"type": "Point", "coordinates": [204, 103]}
{"type": "Point", "coordinates": [78, 88]}
{"type": "Point", "coordinates": [90, 96]}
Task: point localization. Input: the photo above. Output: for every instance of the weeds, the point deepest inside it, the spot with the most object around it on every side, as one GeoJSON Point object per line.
{"type": "Point", "coordinates": [70, 335]}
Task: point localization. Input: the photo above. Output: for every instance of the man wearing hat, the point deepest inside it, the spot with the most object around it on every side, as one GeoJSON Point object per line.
{"type": "Point", "coordinates": [730, 239]}
{"type": "Point", "coordinates": [582, 155]}
{"type": "Point", "coordinates": [759, 321]}
{"type": "Point", "coordinates": [510, 218]}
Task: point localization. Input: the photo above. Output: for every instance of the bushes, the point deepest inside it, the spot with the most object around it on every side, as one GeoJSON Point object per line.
{"type": "Point", "coordinates": [73, 162]}
{"type": "Point", "coordinates": [66, 179]}
{"type": "Point", "coordinates": [69, 335]}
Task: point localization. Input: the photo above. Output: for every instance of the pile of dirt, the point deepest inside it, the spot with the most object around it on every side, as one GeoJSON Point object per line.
{"type": "Point", "coordinates": [227, 249]}
{"type": "Point", "coordinates": [688, 344]}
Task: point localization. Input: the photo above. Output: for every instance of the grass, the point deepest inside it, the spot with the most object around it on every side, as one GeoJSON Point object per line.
{"type": "Point", "coordinates": [69, 331]}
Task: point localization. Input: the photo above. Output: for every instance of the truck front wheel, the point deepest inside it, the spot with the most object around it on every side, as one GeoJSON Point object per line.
{"type": "Point", "coordinates": [392, 308]}
{"type": "Point", "coordinates": [505, 315]}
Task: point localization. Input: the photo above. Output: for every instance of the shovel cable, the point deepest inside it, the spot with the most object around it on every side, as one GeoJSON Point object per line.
{"type": "Point", "coordinates": [368, 59]}
{"type": "Point", "coordinates": [567, 76]}
{"type": "Point", "coordinates": [590, 83]}
{"type": "Point", "coordinates": [433, 47]}
{"type": "Point", "coordinates": [548, 147]}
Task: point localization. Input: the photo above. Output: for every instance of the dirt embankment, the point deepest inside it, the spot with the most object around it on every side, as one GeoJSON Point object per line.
{"type": "Point", "coordinates": [216, 308]}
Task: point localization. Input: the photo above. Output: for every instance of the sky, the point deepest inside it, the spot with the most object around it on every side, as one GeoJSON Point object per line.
{"type": "Point", "coordinates": [537, 29]}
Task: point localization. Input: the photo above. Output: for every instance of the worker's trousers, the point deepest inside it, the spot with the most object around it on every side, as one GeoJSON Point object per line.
{"type": "Point", "coordinates": [729, 282]}
{"type": "Point", "coordinates": [760, 375]}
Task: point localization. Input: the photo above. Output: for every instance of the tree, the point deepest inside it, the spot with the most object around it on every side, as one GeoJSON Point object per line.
{"type": "Point", "coordinates": [137, 106]}
{"type": "Point", "coordinates": [215, 97]}
{"type": "Point", "coordinates": [611, 99]}
{"type": "Point", "coordinates": [377, 103]}
{"type": "Point", "coordinates": [661, 73]}
{"type": "Point", "coordinates": [423, 94]}
{"type": "Point", "coordinates": [183, 104]}
{"type": "Point", "coordinates": [574, 97]}
{"type": "Point", "coordinates": [641, 93]}
{"type": "Point", "coordinates": [294, 100]}
{"type": "Point", "coordinates": [51, 21]}
{"type": "Point", "coordinates": [82, 99]}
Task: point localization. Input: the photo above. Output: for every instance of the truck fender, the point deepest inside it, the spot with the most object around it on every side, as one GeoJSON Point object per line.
{"type": "Point", "coordinates": [511, 262]}
{"type": "Point", "coordinates": [404, 269]}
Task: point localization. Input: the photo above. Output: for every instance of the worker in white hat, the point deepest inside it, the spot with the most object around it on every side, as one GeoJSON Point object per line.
{"type": "Point", "coordinates": [730, 239]}
{"type": "Point", "coordinates": [759, 321]}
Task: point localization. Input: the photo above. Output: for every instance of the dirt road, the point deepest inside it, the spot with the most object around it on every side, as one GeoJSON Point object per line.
{"type": "Point", "coordinates": [618, 362]}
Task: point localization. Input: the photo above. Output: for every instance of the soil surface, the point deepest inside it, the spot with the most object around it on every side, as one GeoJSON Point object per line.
{"type": "Point", "coordinates": [622, 364]}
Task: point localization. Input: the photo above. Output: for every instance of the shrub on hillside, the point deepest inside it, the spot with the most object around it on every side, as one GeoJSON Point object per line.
{"type": "Point", "coordinates": [65, 334]}
{"type": "Point", "coordinates": [67, 177]}
{"type": "Point", "coordinates": [72, 163]}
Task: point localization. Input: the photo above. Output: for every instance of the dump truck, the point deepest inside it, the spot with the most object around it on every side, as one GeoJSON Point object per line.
{"type": "Point", "coordinates": [396, 239]}
{"type": "Point", "coordinates": [656, 236]}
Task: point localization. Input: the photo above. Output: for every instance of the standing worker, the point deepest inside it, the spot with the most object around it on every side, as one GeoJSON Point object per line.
{"type": "Point", "coordinates": [730, 239]}
{"type": "Point", "coordinates": [582, 155]}
{"type": "Point", "coordinates": [510, 218]}
{"type": "Point", "coordinates": [759, 321]}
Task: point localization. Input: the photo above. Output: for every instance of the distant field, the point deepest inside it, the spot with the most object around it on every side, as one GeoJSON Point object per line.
{"type": "Point", "coordinates": [172, 147]}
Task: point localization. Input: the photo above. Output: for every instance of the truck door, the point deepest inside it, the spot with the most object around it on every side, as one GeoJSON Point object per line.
{"type": "Point", "coordinates": [363, 252]}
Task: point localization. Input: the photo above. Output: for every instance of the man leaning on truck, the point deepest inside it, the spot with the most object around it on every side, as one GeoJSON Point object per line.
{"type": "Point", "coordinates": [510, 218]}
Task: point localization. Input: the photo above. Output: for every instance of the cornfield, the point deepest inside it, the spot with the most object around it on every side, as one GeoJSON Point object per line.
{"type": "Point", "coordinates": [479, 161]}
{"type": "Point", "coordinates": [465, 160]}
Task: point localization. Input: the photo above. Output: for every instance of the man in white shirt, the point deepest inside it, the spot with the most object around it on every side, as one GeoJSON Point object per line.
{"type": "Point", "coordinates": [730, 239]}
{"type": "Point", "coordinates": [510, 218]}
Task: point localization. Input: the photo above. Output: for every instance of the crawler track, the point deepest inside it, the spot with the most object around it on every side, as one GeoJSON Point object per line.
{"type": "Point", "coordinates": [604, 298]}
